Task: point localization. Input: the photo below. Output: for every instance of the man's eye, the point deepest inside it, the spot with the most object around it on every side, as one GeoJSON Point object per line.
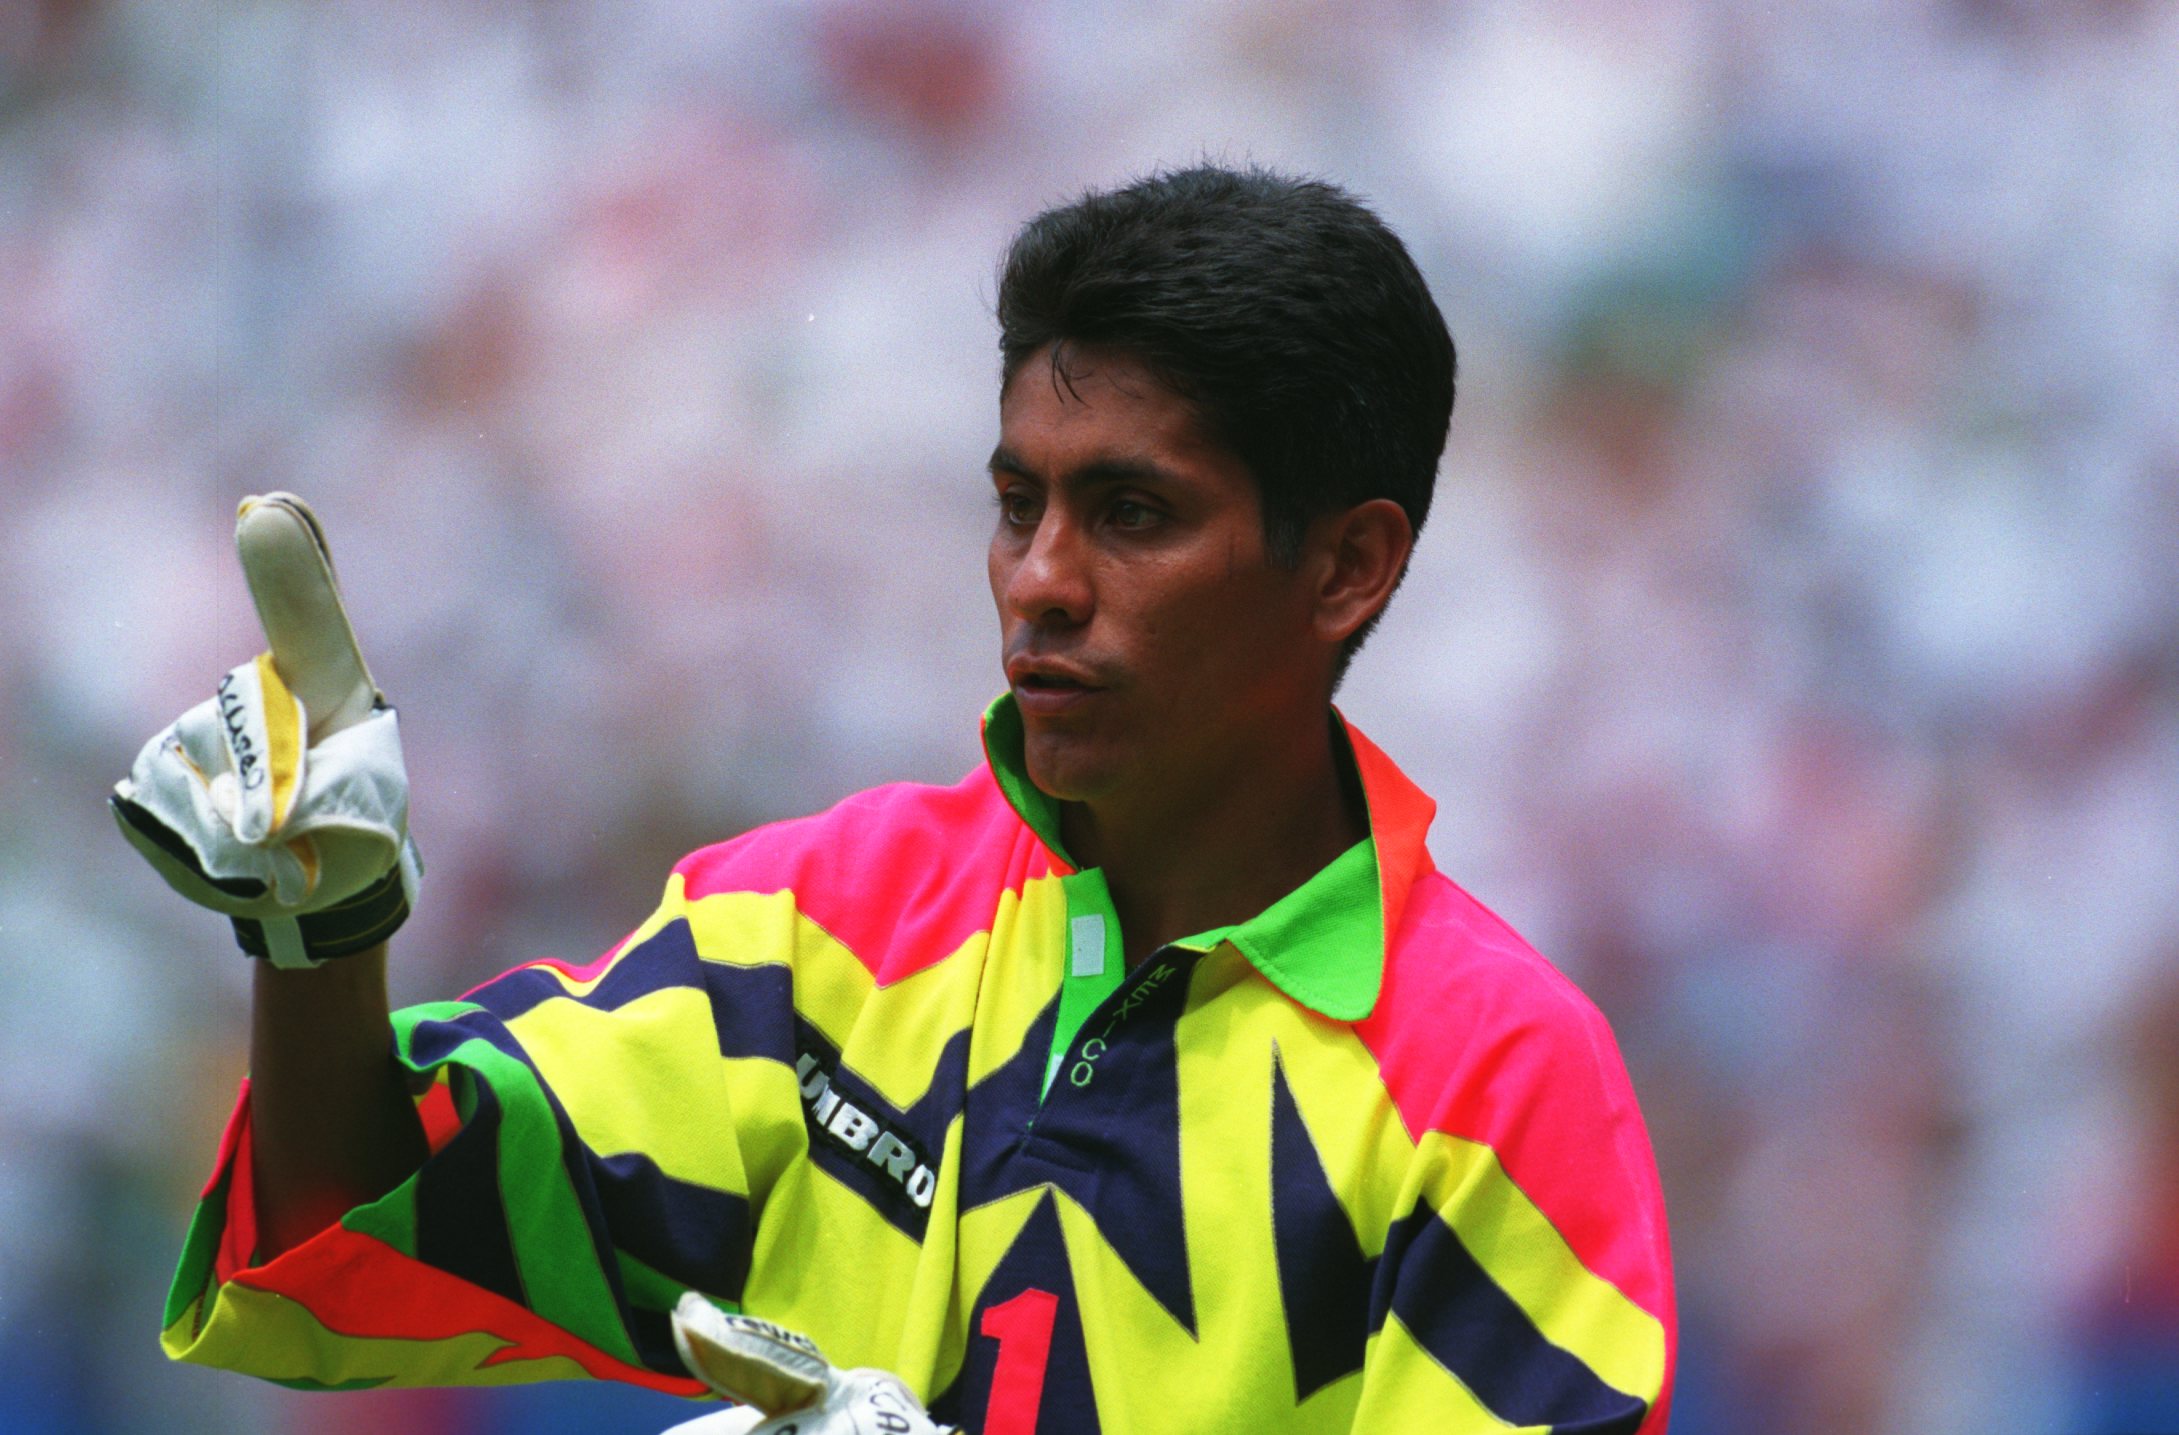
{"type": "Point", "coordinates": [1015, 507]}
{"type": "Point", "coordinates": [1129, 514]}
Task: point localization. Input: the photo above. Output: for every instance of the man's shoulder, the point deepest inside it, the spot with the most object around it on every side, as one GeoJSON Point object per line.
{"type": "Point", "coordinates": [1472, 1021]}
{"type": "Point", "coordinates": [903, 816]}
{"type": "Point", "coordinates": [900, 874]}
{"type": "Point", "coordinates": [1452, 951]}
{"type": "Point", "coordinates": [1482, 1042]}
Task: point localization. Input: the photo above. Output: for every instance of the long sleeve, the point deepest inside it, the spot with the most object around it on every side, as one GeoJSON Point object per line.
{"type": "Point", "coordinates": [597, 1138]}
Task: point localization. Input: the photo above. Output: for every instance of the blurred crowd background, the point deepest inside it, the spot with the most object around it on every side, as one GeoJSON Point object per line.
{"type": "Point", "coordinates": [1794, 650]}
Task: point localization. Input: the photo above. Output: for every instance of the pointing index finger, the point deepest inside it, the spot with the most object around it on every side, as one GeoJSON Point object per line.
{"type": "Point", "coordinates": [290, 572]}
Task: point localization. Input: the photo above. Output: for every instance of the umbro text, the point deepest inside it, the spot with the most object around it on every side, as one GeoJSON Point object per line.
{"type": "Point", "coordinates": [856, 1131]}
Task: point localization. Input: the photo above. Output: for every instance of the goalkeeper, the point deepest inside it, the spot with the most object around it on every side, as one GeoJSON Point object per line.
{"type": "Point", "coordinates": [1151, 1078]}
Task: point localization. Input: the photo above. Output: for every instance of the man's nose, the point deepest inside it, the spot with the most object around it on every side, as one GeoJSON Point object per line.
{"type": "Point", "coordinates": [1051, 584]}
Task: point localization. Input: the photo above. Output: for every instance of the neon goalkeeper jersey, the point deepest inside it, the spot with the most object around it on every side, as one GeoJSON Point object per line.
{"type": "Point", "coordinates": [1364, 1161]}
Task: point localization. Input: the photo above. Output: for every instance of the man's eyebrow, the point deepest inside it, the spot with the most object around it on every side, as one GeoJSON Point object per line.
{"type": "Point", "coordinates": [1003, 461]}
{"type": "Point", "coordinates": [1103, 470]}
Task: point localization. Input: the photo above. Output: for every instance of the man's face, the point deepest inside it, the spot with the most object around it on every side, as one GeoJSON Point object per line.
{"type": "Point", "coordinates": [1148, 638]}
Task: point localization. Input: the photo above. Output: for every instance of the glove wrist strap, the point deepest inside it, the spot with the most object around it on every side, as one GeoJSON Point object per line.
{"type": "Point", "coordinates": [356, 925]}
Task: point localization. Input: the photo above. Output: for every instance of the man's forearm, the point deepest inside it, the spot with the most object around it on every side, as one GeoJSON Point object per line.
{"type": "Point", "coordinates": [332, 1125]}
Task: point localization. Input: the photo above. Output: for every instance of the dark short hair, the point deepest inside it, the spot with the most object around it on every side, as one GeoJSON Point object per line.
{"type": "Point", "coordinates": [1282, 309]}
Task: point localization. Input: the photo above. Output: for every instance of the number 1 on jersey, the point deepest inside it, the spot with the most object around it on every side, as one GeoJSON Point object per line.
{"type": "Point", "coordinates": [1023, 1328]}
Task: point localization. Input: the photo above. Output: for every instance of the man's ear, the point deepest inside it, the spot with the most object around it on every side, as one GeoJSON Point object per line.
{"type": "Point", "coordinates": [1355, 559]}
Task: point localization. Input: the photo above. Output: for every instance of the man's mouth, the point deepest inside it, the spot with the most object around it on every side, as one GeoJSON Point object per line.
{"type": "Point", "coordinates": [1049, 687]}
{"type": "Point", "coordinates": [1039, 672]}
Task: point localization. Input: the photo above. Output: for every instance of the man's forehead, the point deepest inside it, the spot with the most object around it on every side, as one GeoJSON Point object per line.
{"type": "Point", "coordinates": [1098, 408]}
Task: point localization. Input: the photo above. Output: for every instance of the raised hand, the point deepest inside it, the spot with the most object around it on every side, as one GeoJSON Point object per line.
{"type": "Point", "coordinates": [283, 801]}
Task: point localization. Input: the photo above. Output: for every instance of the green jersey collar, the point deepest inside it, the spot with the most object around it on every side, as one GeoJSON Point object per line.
{"type": "Point", "coordinates": [1323, 944]}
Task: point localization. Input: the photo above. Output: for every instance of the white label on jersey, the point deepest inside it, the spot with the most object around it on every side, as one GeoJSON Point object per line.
{"type": "Point", "coordinates": [1086, 936]}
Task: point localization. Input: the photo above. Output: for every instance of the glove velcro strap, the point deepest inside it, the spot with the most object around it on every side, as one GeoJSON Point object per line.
{"type": "Point", "coordinates": [356, 925]}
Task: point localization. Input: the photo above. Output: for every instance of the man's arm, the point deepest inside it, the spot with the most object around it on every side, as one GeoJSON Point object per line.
{"type": "Point", "coordinates": [283, 803]}
{"type": "Point", "coordinates": [333, 1125]}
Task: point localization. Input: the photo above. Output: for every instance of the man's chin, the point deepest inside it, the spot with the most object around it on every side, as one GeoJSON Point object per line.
{"type": "Point", "coordinates": [1065, 767]}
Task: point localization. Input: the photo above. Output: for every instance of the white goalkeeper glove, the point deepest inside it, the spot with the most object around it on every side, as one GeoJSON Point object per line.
{"type": "Point", "coordinates": [282, 801]}
{"type": "Point", "coordinates": [786, 1387]}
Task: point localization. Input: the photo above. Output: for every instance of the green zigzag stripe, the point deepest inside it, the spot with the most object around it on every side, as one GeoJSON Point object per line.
{"type": "Point", "coordinates": [553, 1247]}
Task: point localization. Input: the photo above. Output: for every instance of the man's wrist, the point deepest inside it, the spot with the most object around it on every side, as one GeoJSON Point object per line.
{"type": "Point", "coordinates": [358, 924]}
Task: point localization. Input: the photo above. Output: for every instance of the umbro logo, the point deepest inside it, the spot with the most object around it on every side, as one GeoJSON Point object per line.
{"type": "Point", "coordinates": [850, 1128]}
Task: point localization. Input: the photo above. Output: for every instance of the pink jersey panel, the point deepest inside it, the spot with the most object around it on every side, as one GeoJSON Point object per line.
{"type": "Point", "coordinates": [900, 875]}
{"type": "Point", "coordinates": [1479, 1037]}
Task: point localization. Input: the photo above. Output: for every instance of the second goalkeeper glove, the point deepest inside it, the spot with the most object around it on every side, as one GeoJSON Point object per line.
{"type": "Point", "coordinates": [786, 1386]}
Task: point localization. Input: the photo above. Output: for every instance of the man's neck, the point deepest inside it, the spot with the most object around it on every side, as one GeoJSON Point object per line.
{"type": "Point", "coordinates": [1216, 850]}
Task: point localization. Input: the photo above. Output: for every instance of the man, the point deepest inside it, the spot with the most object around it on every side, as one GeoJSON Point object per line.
{"type": "Point", "coordinates": [1148, 1079]}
